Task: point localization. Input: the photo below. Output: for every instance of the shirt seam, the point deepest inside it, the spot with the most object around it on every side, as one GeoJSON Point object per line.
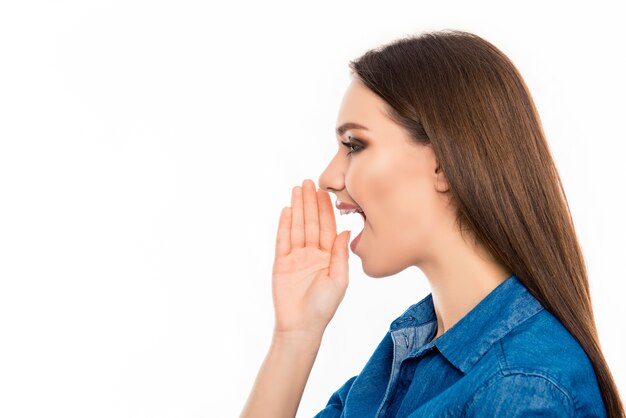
{"type": "Point", "coordinates": [390, 382]}
{"type": "Point", "coordinates": [502, 358]}
{"type": "Point", "coordinates": [507, 370]}
{"type": "Point", "coordinates": [502, 373]}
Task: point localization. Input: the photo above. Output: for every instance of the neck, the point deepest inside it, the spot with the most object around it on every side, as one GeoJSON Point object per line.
{"type": "Point", "coordinates": [458, 286]}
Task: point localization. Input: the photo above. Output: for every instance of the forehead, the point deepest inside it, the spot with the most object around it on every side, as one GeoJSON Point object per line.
{"type": "Point", "coordinates": [360, 105]}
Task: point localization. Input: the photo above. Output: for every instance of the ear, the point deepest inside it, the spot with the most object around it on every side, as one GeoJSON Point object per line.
{"type": "Point", "coordinates": [441, 182]}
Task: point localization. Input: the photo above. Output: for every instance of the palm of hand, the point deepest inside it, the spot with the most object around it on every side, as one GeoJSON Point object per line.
{"type": "Point", "coordinates": [310, 273]}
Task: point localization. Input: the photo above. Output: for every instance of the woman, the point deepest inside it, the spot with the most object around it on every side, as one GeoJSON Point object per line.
{"type": "Point", "coordinates": [442, 149]}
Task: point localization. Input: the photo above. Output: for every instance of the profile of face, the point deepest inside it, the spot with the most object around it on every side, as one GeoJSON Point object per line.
{"type": "Point", "coordinates": [394, 180]}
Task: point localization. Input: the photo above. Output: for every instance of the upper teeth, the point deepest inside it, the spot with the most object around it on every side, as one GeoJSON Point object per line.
{"type": "Point", "coordinates": [346, 211]}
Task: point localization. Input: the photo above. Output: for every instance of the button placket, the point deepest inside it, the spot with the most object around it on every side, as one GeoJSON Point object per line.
{"type": "Point", "coordinates": [401, 348]}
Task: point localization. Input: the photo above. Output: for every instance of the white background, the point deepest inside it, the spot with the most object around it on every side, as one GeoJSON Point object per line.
{"type": "Point", "coordinates": [147, 148]}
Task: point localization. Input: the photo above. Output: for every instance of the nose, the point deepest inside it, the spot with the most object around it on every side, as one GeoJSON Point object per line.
{"type": "Point", "coordinates": [332, 178]}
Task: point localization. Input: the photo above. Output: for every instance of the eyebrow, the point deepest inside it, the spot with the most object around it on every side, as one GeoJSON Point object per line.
{"type": "Point", "coordinates": [349, 125]}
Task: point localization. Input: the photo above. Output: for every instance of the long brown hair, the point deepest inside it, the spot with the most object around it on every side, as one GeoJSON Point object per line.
{"type": "Point", "coordinates": [458, 93]}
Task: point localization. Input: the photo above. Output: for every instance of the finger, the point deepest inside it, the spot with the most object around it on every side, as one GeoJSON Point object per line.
{"type": "Point", "coordinates": [338, 267]}
{"type": "Point", "coordinates": [328, 228]}
{"type": "Point", "coordinates": [283, 237]}
{"type": "Point", "coordinates": [311, 215]}
{"type": "Point", "coordinates": [297, 218]}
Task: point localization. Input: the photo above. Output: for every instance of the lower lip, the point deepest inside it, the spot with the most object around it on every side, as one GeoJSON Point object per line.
{"type": "Point", "coordinates": [355, 241]}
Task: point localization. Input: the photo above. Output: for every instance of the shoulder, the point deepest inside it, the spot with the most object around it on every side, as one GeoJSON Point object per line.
{"type": "Point", "coordinates": [544, 344]}
{"type": "Point", "coordinates": [542, 370]}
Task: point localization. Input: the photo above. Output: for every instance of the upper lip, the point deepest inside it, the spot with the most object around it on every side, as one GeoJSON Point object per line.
{"type": "Point", "coordinates": [341, 205]}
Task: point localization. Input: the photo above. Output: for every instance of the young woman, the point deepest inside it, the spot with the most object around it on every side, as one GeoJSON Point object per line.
{"type": "Point", "coordinates": [441, 148]}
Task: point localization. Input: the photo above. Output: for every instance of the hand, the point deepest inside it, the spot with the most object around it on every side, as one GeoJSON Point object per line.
{"type": "Point", "coordinates": [310, 273]}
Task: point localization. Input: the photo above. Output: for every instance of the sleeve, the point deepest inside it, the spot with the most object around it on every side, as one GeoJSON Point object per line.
{"type": "Point", "coordinates": [520, 395]}
{"type": "Point", "coordinates": [335, 404]}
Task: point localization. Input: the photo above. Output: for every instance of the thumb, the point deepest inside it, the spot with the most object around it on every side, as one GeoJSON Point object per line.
{"type": "Point", "coordinates": [338, 268]}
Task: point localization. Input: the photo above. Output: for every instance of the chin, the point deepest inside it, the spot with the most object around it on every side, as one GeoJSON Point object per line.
{"type": "Point", "coordinates": [383, 270]}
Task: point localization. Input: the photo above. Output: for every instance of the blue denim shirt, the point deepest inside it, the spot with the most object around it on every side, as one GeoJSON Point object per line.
{"type": "Point", "coordinates": [507, 357]}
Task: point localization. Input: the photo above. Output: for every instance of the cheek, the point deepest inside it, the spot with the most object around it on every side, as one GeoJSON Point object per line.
{"type": "Point", "coordinates": [397, 197]}
{"type": "Point", "coordinates": [404, 203]}
{"type": "Point", "coordinates": [413, 208]}
{"type": "Point", "coordinates": [420, 222]}
{"type": "Point", "coordinates": [396, 186]}
{"type": "Point", "coordinates": [373, 181]}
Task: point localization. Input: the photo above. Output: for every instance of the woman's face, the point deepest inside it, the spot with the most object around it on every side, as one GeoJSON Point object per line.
{"type": "Point", "coordinates": [393, 180]}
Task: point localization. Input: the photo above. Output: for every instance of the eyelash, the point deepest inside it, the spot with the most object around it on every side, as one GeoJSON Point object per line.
{"type": "Point", "coordinates": [349, 145]}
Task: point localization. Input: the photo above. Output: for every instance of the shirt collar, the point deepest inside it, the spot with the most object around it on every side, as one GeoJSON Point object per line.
{"type": "Point", "coordinates": [504, 308]}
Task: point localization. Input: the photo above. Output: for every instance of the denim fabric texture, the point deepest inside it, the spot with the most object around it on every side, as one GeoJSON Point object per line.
{"type": "Point", "coordinates": [507, 357]}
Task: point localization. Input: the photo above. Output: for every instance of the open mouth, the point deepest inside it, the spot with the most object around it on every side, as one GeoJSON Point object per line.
{"type": "Point", "coordinates": [349, 211]}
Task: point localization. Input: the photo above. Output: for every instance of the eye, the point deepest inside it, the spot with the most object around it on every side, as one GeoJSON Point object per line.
{"type": "Point", "coordinates": [351, 146]}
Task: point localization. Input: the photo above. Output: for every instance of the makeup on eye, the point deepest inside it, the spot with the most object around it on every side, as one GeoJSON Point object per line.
{"type": "Point", "coordinates": [350, 145]}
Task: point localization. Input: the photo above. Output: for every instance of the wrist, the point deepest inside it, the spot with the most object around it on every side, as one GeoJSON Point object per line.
{"type": "Point", "coordinates": [311, 339]}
